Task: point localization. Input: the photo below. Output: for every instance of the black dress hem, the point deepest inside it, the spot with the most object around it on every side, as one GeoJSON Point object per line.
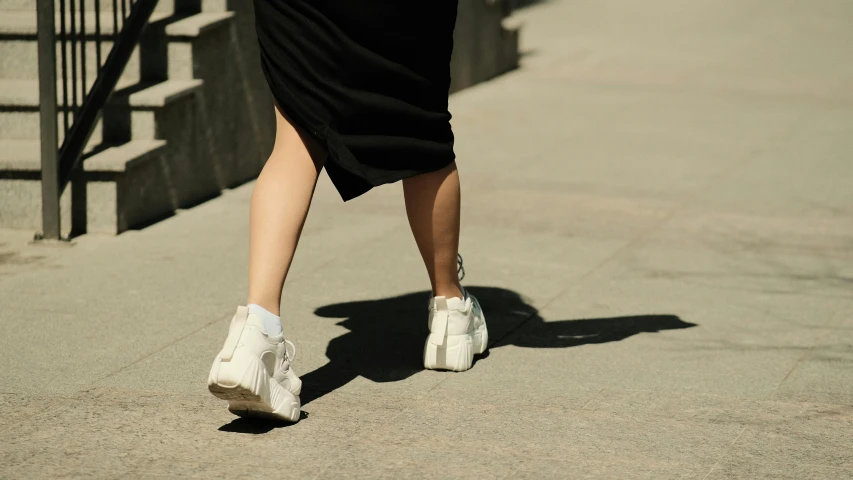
{"type": "Point", "coordinates": [350, 184]}
{"type": "Point", "coordinates": [368, 81]}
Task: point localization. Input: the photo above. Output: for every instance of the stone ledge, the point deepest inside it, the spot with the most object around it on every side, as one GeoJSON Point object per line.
{"type": "Point", "coordinates": [158, 95]}
{"type": "Point", "coordinates": [25, 155]}
{"type": "Point", "coordinates": [24, 23]}
{"type": "Point", "coordinates": [198, 24]}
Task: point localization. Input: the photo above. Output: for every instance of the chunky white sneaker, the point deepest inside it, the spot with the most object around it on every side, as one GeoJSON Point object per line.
{"type": "Point", "coordinates": [457, 332]}
{"type": "Point", "coordinates": [253, 372]}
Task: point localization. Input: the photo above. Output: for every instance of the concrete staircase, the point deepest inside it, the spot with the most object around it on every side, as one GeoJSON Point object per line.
{"type": "Point", "coordinates": [192, 115]}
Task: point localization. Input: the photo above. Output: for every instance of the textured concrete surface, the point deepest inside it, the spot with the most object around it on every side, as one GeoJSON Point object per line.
{"type": "Point", "coordinates": [657, 219]}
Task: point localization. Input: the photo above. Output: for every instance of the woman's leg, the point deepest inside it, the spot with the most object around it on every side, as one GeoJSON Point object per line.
{"type": "Point", "coordinates": [279, 206]}
{"type": "Point", "coordinates": [432, 205]}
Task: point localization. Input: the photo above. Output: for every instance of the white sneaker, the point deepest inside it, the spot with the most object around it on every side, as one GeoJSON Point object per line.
{"type": "Point", "coordinates": [253, 372]}
{"type": "Point", "coordinates": [457, 332]}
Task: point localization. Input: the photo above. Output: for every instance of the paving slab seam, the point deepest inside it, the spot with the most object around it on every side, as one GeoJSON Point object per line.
{"type": "Point", "coordinates": [512, 473]}
{"type": "Point", "coordinates": [356, 246]}
{"type": "Point", "coordinates": [806, 353]}
{"type": "Point", "coordinates": [224, 318]}
{"type": "Point", "coordinates": [325, 467]}
{"type": "Point", "coordinates": [131, 473]}
{"type": "Point", "coordinates": [616, 253]}
{"type": "Point", "coordinates": [33, 419]}
{"type": "Point", "coordinates": [102, 471]}
{"type": "Point", "coordinates": [164, 347]}
{"type": "Point", "coordinates": [631, 80]}
{"type": "Point", "coordinates": [592, 398]}
{"type": "Point", "coordinates": [594, 269]}
{"type": "Point", "coordinates": [19, 394]}
{"type": "Point", "coordinates": [725, 454]}
{"type": "Point", "coordinates": [381, 426]}
{"type": "Point", "coordinates": [744, 161]}
{"type": "Point", "coordinates": [769, 396]}
{"type": "Point", "coordinates": [786, 293]}
{"type": "Point", "coordinates": [745, 428]}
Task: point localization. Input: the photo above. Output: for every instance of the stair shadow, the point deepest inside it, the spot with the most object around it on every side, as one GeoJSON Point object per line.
{"type": "Point", "coordinates": [386, 336]}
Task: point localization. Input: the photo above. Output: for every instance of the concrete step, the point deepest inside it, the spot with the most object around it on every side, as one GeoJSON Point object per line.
{"type": "Point", "coordinates": [235, 142]}
{"type": "Point", "coordinates": [129, 114]}
{"type": "Point", "coordinates": [24, 22]}
{"type": "Point", "coordinates": [18, 156]}
{"type": "Point", "coordinates": [163, 6]}
{"type": "Point", "coordinates": [19, 46]}
{"type": "Point", "coordinates": [124, 186]}
{"type": "Point", "coordinates": [166, 6]}
{"type": "Point", "coordinates": [170, 111]}
{"type": "Point", "coordinates": [192, 163]}
{"type": "Point", "coordinates": [134, 112]}
{"type": "Point", "coordinates": [166, 113]}
{"type": "Point", "coordinates": [162, 111]}
{"type": "Point", "coordinates": [149, 60]}
{"type": "Point", "coordinates": [177, 48]}
{"type": "Point", "coordinates": [19, 112]}
{"type": "Point", "coordinates": [24, 155]}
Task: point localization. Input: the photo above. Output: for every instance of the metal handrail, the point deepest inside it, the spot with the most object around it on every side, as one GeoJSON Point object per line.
{"type": "Point", "coordinates": [58, 163]}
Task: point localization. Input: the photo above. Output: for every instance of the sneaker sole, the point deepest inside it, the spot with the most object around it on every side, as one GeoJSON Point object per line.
{"type": "Point", "coordinates": [257, 395]}
{"type": "Point", "coordinates": [457, 353]}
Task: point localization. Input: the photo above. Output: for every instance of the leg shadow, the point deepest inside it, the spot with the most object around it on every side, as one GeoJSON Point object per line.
{"type": "Point", "coordinates": [257, 426]}
{"type": "Point", "coordinates": [385, 338]}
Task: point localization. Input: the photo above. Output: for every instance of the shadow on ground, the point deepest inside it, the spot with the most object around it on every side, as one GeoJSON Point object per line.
{"type": "Point", "coordinates": [386, 337]}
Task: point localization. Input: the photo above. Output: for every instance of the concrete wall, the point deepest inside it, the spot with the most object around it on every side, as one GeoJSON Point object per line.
{"type": "Point", "coordinates": [482, 47]}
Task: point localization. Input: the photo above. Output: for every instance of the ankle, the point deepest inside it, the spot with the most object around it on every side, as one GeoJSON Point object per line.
{"type": "Point", "coordinates": [272, 307]}
{"type": "Point", "coordinates": [271, 321]}
{"type": "Point", "coordinates": [448, 291]}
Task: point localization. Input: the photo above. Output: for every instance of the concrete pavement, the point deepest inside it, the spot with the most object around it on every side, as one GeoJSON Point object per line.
{"type": "Point", "coordinates": [658, 220]}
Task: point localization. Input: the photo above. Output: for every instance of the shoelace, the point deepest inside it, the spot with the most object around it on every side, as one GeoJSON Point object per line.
{"type": "Point", "coordinates": [460, 272]}
{"type": "Point", "coordinates": [290, 358]}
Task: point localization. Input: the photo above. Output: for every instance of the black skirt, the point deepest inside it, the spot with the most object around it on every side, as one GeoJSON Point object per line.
{"type": "Point", "coordinates": [368, 79]}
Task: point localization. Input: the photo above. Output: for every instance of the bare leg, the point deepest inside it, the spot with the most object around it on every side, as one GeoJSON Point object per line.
{"type": "Point", "coordinates": [432, 205]}
{"type": "Point", "coordinates": [279, 206]}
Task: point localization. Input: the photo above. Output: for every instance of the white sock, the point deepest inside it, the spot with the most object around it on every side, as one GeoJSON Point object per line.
{"type": "Point", "coordinates": [272, 322]}
{"type": "Point", "coordinates": [455, 303]}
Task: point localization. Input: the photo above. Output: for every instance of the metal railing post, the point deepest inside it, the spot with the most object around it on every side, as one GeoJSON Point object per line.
{"type": "Point", "coordinates": [50, 189]}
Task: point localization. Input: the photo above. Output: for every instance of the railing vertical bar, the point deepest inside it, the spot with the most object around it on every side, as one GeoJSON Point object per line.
{"type": "Point", "coordinates": [62, 164]}
{"type": "Point", "coordinates": [127, 39]}
{"type": "Point", "coordinates": [115, 20]}
{"type": "Point", "coordinates": [98, 34]}
{"type": "Point", "coordinates": [78, 182]}
{"type": "Point", "coordinates": [63, 43]}
{"type": "Point", "coordinates": [73, 11]}
{"type": "Point", "coordinates": [83, 84]}
{"type": "Point", "coordinates": [50, 190]}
